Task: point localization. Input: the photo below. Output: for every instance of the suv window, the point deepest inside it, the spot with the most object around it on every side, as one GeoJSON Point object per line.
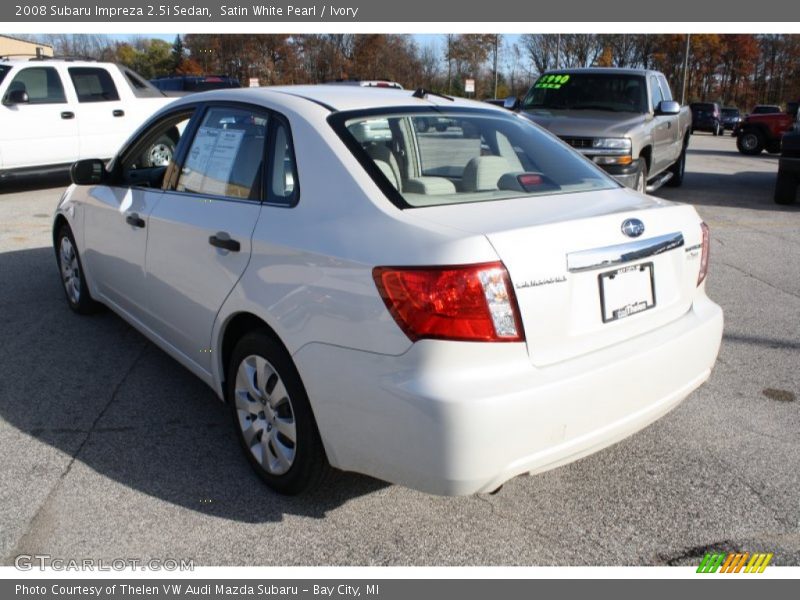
{"type": "Point", "coordinates": [226, 157]}
{"type": "Point", "coordinates": [93, 84]}
{"type": "Point", "coordinates": [42, 84]}
{"type": "Point", "coordinates": [3, 70]}
{"type": "Point", "coordinates": [140, 87]}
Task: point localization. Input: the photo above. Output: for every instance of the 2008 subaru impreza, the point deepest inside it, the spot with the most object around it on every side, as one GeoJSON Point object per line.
{"type": "Point", "coordinates": [444, 309]}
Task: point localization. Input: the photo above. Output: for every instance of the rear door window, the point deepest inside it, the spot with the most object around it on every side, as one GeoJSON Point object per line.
{"type": "Point", "coordinates": [93, 84]}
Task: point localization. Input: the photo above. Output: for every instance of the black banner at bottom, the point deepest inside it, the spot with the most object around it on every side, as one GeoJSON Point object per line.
{"type": "Point", "coordinates": [390, 589]}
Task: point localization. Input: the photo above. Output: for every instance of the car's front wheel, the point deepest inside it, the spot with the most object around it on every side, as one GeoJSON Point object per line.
{"type": "Point", "coordinates": [273, 416]}
{"type": "Point", "coordinates": [71, 269]}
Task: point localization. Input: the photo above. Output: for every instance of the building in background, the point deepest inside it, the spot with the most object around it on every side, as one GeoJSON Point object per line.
{"type": "Point", "coordinates": [11, 46]}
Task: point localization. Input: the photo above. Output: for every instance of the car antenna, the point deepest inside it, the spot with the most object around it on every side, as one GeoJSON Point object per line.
{"type": "Point", "coordinates": [422, 92]}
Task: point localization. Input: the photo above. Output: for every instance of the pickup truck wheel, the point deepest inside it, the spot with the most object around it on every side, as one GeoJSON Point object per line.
{"type": "Point", "coordinates": [273, 417]}
{"type": "Point", "coordinates": [785, 188]}
{"type": "Point", "coordinates": [678, 169]}
{"type": "Point", "coordinates": [160, 152]}
{"type": "Point", "coordinates": [641, 177]}
{"type": "Point", "coordinates": [750, 142]}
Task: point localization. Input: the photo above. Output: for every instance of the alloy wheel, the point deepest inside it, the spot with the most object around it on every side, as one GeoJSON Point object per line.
{"type": "Point", "coordinates": [265, 414]}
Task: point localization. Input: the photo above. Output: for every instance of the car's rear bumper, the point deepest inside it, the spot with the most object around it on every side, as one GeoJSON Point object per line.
{"type": "Point", "coordinates": [460, 418]}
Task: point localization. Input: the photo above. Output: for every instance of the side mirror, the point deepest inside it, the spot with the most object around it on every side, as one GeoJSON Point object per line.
{"type": "Point", "coordinates": [511, 103]}
{"type": "Point", "coordinates": [668, 107]}
{"type": "Point", "coordinates": [90, 171]}
{"type": "Point", "coordinates": [16, 97]}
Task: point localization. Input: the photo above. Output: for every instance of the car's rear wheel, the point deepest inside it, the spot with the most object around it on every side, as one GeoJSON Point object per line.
{"type": "Point", "coordinates": [72, 278]}
{"type": "Point", "coordinates": [273, 416]}
{"type": "Point", "coordinates": [750, 142]}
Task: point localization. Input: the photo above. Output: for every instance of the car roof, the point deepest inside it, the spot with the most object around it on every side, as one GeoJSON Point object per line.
{"type": "Point", "coordinates": [341, 97]}
{"type": "Point", "coordinates": [78, 62]}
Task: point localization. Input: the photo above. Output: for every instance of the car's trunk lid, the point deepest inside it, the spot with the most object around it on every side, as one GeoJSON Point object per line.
{"type": "Point", "coordinates": [560, 252]}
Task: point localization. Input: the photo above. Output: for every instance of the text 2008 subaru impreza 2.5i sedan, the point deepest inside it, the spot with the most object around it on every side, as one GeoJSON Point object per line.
{"type": "Point", "coordinates": [440, 308]}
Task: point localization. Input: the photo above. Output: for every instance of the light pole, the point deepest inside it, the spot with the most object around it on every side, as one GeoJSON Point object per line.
{"type": "Point", "coordinates": [685, 69]}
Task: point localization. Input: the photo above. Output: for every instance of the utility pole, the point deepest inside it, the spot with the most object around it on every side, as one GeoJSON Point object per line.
{"type": "Point", "coordinates": [685, 69]}
{"type": "Point", "coordinates": [496, 40]}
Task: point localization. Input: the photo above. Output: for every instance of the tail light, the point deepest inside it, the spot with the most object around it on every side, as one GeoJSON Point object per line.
{"type": "Point", "coordinates": [704, 254]}
{"type": "Point", "coordinates": [468, 303]}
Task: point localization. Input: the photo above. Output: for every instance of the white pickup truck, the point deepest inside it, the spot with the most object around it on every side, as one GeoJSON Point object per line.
{"type": "Point", "coordinates": [57, 111]}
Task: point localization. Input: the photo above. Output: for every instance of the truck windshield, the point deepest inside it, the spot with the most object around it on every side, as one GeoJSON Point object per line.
{"type": "Point", "coordinates": [588, 91]}
{"type": "Point", "coordinates": [3, 70]}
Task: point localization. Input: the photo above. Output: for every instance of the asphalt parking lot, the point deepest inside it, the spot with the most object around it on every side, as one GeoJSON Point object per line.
{"type": "Point", "coordinates": [110, 449]}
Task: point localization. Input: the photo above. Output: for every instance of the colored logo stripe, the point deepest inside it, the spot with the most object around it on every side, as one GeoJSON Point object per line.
{"type": "Point", "coordinates": [734, 562]}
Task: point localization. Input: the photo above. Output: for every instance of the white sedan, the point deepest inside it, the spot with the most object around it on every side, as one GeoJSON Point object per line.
{"type": "Point", "coordinates": [445, 310]}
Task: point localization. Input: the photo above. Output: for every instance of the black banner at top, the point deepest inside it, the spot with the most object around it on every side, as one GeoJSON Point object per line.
{"type": "Point", "coordinates": [464, 11]}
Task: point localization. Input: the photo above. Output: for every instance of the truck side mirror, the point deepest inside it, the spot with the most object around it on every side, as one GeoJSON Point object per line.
{"type": "Point", "coordinates": [90, 171]}
{"type": "Point", "coordinates": [16, 97]}
{"type": "Point", "coordinates": [668, 107]}
{"type": "Point", "coordinates": [511, 103]}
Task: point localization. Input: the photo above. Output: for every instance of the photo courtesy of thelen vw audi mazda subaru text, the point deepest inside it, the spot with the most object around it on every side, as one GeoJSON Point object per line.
{"type": "Point", "coordinates": [440, 307]}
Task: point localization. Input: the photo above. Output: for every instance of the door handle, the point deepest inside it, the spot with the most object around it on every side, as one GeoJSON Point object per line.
{"type": "Point", "coordinates": [224, 241]}
{"type": "Point", "coordinates": [135, 220]}
{"type": "Point", "coordinates": [118, 113]}
{"type": "Point", "coordinates": [67, 115]}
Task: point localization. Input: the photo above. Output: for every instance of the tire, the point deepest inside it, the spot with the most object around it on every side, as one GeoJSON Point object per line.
{"type": "Point", "coordinates": [641, 177]}
{"type": "Point", "coordinates": [159, 153]}
{"type": "Point", "coordinates": [70, 268]}
{"type": "Point", "coordinates": [750, 142]}
{"type": "Point", "coordinates": [678, 169]}
{"type": "Point", "coordinates": [267, 400]}
{"type": "Point", "coordinates": [422, 124]}
{"type": "Point", "coordinates": [440, 127]}
{"type": "Point", "coordinates": [785, 188]}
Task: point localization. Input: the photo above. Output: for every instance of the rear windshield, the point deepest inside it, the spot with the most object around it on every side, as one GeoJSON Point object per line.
{"type": "Point", "coordinates": [433, 158]}
{"type": "Point", "coordinates": [765, 110]}
{"type": "Point", "coordinates": [588, 91]}
{"type": "Point", "coordinates": [730, 112]}
{"type": "Point", "coordinates": [702, 106]}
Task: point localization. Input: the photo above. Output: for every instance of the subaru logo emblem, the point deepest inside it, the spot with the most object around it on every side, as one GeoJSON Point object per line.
{"type": "Point", "coordinates": [632, 227]}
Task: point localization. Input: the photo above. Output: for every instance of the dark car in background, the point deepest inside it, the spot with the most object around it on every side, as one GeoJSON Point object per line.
{"type": "Point", "coordinates": [731, 117]}
{"type": "Point", "coordinates": [179, 85]}
{"type": "Point", "coordinates": [706, 116]}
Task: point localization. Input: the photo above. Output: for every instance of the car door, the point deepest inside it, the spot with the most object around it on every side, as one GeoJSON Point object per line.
{"type": "Point", "coordinates": [117, 218]}
{"type": "Point", "coordinates": [662, 130]}
{"type": "Point", "coordinates": [200, 232]}
{"type": "Point", "coordinates": [43, 130]}
{"type": "Point", "coordinates": [101, 116]}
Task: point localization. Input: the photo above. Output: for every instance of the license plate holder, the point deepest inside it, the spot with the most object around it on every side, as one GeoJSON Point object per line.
{"type": "Point", "coordinates": [626, 291]}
